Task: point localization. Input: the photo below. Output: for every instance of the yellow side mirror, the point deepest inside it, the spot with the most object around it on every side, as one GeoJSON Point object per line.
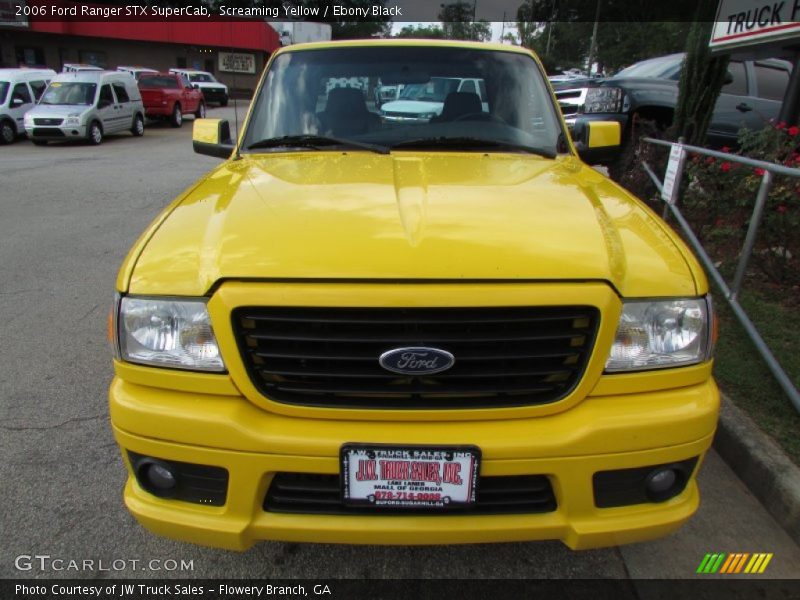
{"type": "Point", "coordinates": [212, 137]}
{"type": "Point", "coordinates": [604, 133]}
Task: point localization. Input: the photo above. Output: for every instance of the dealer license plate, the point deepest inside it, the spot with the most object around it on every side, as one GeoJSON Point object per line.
{"type": "Point", "coordinates": [409, 476]}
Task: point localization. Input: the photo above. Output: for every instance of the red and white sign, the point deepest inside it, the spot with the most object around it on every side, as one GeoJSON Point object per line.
{"type": "Point", "coordinates": [743, 23]}
{"type": "Point", "coordinates": [409, 477]}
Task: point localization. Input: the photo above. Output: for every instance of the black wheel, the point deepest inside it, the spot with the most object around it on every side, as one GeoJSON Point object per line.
{"type": "Point", "coordinates": [224, 101]}
{"type": "Point", "coordinates": [39, 142]}
{"type": "Point", "coordinates": [138, 126]}
{"type": "Point", "coordinates": [95, 133]}
{"type": "Point", "coordinates": [177, 116]}
{"type": "Point", "coordinates": [8, 133]}
{"type": "Point", "coordinates": [201, 111]}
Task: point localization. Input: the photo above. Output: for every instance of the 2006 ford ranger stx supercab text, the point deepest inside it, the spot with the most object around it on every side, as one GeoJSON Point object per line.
{"type": "Point", "coordinates": [360, 330]}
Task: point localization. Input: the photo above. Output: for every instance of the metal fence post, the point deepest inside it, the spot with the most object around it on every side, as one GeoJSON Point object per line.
{"type": "Point", "coordinates": [752, 231]}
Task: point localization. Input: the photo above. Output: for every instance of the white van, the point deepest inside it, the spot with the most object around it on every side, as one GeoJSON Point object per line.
{"type": "Point", "coordinates": [20, 89]}
{"type": "Point", "coordinates": [78, 67]}
{"type": "Point", "coordinates": [86, 105]}
{"type": "Point", "coordinates": [137, 72]}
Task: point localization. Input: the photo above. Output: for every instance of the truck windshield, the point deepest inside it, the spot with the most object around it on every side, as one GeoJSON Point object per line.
{"type": "Point", "coordinates": [69, 93]}
{"type": "Point", "coordinates": [3, 91]}
{"type": "Point", "coordinates": [474, 96]}
{"type": "Point", "coordinates": [202, 78]}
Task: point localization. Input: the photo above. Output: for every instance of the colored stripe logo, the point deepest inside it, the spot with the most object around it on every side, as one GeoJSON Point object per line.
{"type": "Point", "coordinates": [737, 562]}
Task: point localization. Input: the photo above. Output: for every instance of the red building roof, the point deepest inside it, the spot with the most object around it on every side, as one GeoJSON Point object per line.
{"type": "Point", "coordinates": [239, 33]}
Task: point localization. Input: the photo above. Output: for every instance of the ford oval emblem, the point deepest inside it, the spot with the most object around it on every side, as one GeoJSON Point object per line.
{"type": "Point", "coordinates": [417, 360]}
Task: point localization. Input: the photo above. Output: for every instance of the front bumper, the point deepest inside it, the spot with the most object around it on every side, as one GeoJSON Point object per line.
{"type": "Point", "coordinates": [62, 132]}
{"type": "Point", "coordinates": [601, 433]}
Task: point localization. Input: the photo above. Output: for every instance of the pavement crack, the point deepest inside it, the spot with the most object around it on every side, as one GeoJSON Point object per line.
{"type": "Point", "coordinates": [48, 427]}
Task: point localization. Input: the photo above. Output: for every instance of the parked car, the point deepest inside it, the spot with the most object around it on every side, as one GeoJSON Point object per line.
{"type": "Point", "coordinates": [213, 90]}
{"type": "Point", "coordinates": [421, 102]}
{"type": "Point", "coordinates": [649, 90]}
{"type": "Point", "coordinates": [19, 91]}
{"type": "Point", "coordinates": [169, 96]}
{"type": "Point", "coordinates": [78, 67]}
{"type": "Point", "coordinates": [367, 332]}
{"type": "Point", "coordinates": [86, 105]}
{"type": "Point", "coordinates": [137, 72]}
{"type": "Point", "coordinates": [387, 93]}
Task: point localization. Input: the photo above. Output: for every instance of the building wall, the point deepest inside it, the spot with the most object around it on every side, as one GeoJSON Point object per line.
{"type": "Point", "coordinates": [55, 50]}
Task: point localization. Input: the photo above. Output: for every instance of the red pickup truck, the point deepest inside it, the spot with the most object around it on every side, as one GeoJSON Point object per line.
{"type": "Point", "coordinates": [169, 96]}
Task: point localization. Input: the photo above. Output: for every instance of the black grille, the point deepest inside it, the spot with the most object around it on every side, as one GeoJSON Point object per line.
{"type": "Point", "coordinates": [321, 494]}
{"type": "Point", "coordinates": [47, 132]}
{"type": "Point", "coordinates": [329, 356]}
{"type": "Point", "coordinates": [47, 121]}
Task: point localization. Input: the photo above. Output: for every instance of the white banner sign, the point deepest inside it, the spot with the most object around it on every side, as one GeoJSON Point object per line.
{"type": "Point", "coordinates": [742, 23]}
{"type": "Point", "coordinates": [234, 62]}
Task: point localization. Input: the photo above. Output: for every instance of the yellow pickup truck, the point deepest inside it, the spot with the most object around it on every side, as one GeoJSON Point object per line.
{"type": "Point", "coordinates": [448, 330]}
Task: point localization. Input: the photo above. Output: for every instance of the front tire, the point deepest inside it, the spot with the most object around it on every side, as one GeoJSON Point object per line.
{"type": "Point", "coordinates": [95, 134]}
{"type": "Point", "coordinates": [224, 101]}
{"type": "Point", "coordinates": [138, 126]}
{"type": "Point", "coordinates": [176, 120]}
{"type": "Point", "coordinates": [201, 111]}
{"type": "Point", "coordinates": [8, 133]}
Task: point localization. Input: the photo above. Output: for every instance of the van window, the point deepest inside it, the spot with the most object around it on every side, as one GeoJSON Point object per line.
{"type": "Point", "coordinates": [122, 93]}
{"type": "Point", "coordinates": [21, 91]}
{"type": "Point", "coordinates": [38, 88]}
{"type": "Point", "coordinates": [737, 87]}
{"type": "Point", "coordinates": [105, 94]}
{"type": "Point", "coordinates": [4, 85]}
{"type": "Point", "coordinates": [771, 82]}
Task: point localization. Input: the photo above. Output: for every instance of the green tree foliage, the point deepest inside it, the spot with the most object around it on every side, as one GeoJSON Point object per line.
{"type": "Point", "coordinates": [458, 23]}
{"type": "Point", "coordinates": [702, 79]}
{"type": "Point", "coordinates": [421, 31]}
{"type": "Point", "coordinates": [560, 33]}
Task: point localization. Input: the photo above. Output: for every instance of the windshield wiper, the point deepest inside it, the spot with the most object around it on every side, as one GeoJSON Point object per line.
{"type": "Point", "coordinates": [314, 141]}
{"type": "Point", "coordinates": [471, 143]}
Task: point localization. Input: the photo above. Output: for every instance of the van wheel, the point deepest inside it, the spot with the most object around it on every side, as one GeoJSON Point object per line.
{"type": "Point", "coordinates": [224, 101]}
{"type": "Point", "coordinates": [177, 116]}
{"type": "Point", "coordinates": [95, 134]}
{"type": "Point", "coordinates": [201, 111]}
{"type": "Point", "coordinates": [138, 126]}
{"type": "Point", "coordinates": [8, 133]}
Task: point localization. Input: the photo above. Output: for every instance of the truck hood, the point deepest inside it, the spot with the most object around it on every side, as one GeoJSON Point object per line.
{"type": "Point", "coordinates": [440, 216]}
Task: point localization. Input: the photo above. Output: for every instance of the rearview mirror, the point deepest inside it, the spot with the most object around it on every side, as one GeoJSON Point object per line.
{"type": "Point", "coordinates": [596, 141]}
{"type": "Point", "coordinates": [212, 137]}
{"type": "Point", "coordinates": [16, 102]}
{"type": "Point", "coordinates": [728, 78]}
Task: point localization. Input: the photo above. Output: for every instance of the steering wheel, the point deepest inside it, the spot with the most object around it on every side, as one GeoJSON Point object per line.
{"type": "Point", "coordinates": [479, 116]}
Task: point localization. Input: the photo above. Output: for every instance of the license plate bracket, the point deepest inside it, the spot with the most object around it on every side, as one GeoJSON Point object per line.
{"type": "Point", "coordinates": [434, 478]}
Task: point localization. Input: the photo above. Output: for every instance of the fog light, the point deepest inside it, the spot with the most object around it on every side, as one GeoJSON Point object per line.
{"type": "Point", "coordinates": [663, 483]}
{"type": "Point", "coordinates": [156, 477]}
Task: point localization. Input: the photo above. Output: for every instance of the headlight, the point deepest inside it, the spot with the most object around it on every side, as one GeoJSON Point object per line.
{"type": "Point", "coordinates": [73, 120]}
{"type": "Point", "coordinates": [661, 334]}
{"type": "Point", "coordinates": [603, 100]}
{"type": "Point", "coordinates": [429, 115]}
{"type": "Point", "coordinates": [168, 333]}
{"type": "Point", "coordinates": [28, 119]}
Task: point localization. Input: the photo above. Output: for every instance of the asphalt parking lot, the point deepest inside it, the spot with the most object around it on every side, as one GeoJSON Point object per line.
{"type": "Point", "coordinates": [68, 215]}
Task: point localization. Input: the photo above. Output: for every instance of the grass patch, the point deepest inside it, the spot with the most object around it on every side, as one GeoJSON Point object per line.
{"type": "Point", "coordinates": [742, 374]}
